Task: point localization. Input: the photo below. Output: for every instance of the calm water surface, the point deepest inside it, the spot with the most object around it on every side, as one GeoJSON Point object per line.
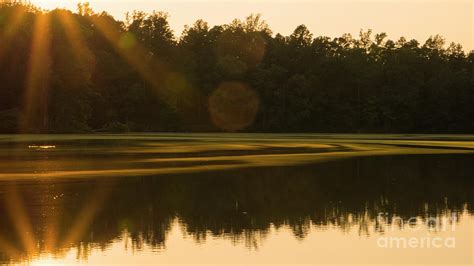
{"type": "Point", "coordinates": [76, 201]}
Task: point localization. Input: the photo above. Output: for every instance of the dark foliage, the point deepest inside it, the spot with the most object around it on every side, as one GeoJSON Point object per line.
{"type": "Point", "coordinates": [80, 72]}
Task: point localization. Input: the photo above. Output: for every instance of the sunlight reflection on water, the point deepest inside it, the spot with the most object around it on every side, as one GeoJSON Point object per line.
{"type": "Point", "coordinates": [284, 209]}
{"type": "Point", "coordinates": [321, 245]}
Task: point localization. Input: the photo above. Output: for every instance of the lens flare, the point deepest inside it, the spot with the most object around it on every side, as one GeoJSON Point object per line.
{"type": "Point", "coordinates": [233, 106]}
{"type": "Point", "coordinates": [8, 33]}
{"type": "Point", "coordinates": [37, 84]}
{"type": "Point", "coordinates": [75, 37]}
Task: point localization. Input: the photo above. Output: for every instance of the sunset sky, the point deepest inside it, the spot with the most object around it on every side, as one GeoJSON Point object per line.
{"type": "Point", "coordinates": [413, 19]}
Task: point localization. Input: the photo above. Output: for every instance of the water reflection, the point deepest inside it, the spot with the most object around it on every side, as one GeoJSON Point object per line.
{"type": "Point", "coordinates": [243, 206]}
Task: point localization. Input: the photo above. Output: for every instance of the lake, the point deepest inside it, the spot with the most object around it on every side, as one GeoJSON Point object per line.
{"type": "Point", "coordinates": [236, 199]}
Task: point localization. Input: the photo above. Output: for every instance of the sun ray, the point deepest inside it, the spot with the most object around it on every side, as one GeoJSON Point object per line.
{"type": "Point", "coordinates": [37, 83]}
{"type": "Point", "coordinates": [86, 216]}
{"type": "Point", "coordinates": [15, 21]}
{"type": "Point", "coordinates": [11, 27]}
{"type": "Point", "coordinates": [81, 51]}
{"type": "Point", "coordinates": [134, 54]}
{"type": "Point", "coordinates": [20, 219]}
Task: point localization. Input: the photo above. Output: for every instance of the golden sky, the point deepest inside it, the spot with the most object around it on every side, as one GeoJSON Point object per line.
{"type": "Point", "coordinates": [410, 18]}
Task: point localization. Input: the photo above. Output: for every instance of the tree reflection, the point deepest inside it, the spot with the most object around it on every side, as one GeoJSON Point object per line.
{"type": "Point", "coordinates": [239, 205]}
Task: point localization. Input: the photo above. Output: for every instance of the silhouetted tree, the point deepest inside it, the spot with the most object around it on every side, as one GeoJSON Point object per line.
{"type": "Point", "coordinates": [93, 72]}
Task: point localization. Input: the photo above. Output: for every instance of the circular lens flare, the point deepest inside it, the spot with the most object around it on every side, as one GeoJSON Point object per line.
{"type": "Point", "coordinates": [233, 106]}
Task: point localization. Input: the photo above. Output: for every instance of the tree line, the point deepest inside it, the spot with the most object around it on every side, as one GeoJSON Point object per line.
{"type": "Point", "coordinates": [67, 72]}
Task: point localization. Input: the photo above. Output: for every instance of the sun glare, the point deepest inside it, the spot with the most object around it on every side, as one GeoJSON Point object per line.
{"type": "Point", "coordinates": [37, 83]}
{"type": "Point", "coordinates": [52, 4]}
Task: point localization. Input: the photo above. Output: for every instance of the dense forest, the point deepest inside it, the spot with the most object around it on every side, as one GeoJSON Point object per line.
{"type": "Point", "coordinates": [65, 72]}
